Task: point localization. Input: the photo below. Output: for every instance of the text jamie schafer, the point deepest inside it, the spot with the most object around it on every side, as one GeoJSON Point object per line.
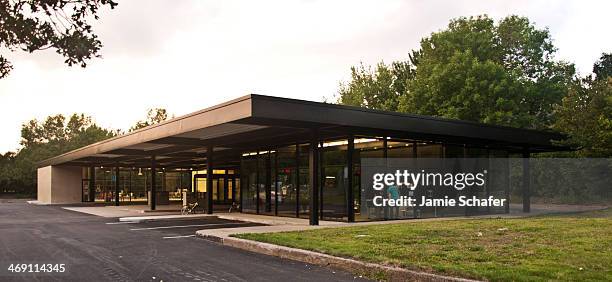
{"type": "Point", "coordinates": [404, 179]}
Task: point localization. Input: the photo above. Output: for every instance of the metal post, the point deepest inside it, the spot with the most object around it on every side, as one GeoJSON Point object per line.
{"type": "Point", "coordinates": [465, 155]}
{"type": "Point", "coordinates": [209, 179]}
{"type": "Point", "coordinates": [153, 200]}
{"type": "Point", "coordinates": [117, 186]}
{"type": "Point", "coordinates": [414, 159]}
{"type": "Point", "coordinates": [268, 183]}
{"type": "Point", "coordinates": [313, 169]}
{"type": "Point", "coordinates": [350, 198]}
{"type": "Point", "coordinates": [275, 183]}
{"type": "Point", "coordinates": [297, 180]}
{"type": "Point", "coordinates": [385, 152]}
{"type": "Point", "coordinates": [321, 161]}
{"type": "Point", "coordinates": [257, 183]}
{"type": "Point", "coordinates": [507, 186]}
{"type": "Point", "coordinates": [526, 182]}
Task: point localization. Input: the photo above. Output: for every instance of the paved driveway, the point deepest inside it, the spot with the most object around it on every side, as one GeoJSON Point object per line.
{"type": "Point", "coordinates": [101, 249]}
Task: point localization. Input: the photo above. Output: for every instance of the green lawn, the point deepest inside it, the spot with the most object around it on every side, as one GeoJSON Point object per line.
{"type": "Point", "coordinates": [561, 247]}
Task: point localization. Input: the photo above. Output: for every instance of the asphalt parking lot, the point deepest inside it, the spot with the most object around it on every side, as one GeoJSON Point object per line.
{"type": "Point", "coordinates": [181, 228]}
{"type": "Point", "coordinates": [94, 248]}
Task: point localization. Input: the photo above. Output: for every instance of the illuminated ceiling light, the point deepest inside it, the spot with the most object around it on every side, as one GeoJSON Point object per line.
{"type": "Point", "coordinates": [335, 143]}
{"type": "Point", "coordinates": [140, 171]}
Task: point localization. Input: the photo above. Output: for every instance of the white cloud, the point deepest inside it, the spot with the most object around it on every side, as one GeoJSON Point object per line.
{"type": "Point", "coordinates": [187, 55]}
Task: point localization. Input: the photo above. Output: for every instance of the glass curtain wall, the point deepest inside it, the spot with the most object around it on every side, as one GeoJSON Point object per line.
{"type": "Point", "coordinates": [334, 180]}
{"type": "Point", "coordinates": [248, 180]}
{"type": "Point", "coordinates": [276, 182]}
{"type": "Point", "coordinates": [303, 182]}
{"type": "Point", "coordinates": [287, 176]}
{"type": "Point", "coordinates": [134, 184]}
{"type": "Point", "coordinates": [366, 147]}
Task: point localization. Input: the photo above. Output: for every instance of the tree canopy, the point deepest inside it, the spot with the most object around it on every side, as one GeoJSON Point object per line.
{"type": "Point", "coordinates": [63, 25]}
{"type": "Point", "coordinates": [53, 136]}
{"type": "Point", "coordinates": [603, 67]}
{"type": "Point", "coordinates": [380, 89]}
{"type": "Point", "coordinates": [475, 69]}
{"type": "Point", "coordinates": [154, 116]}
{"type": "Point", "coordinates": [586, 117]}
{"type": "Point", "coordinates": [44, 139]}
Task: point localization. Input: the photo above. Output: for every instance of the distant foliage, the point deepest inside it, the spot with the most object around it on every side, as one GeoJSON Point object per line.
{"type": "Point", "coordinates": [603, 67]}
{"type": "Point", "coordinates": [585, 115]}
{"type": "Point", "coordinates": [45, 139]}
{"type": "Point", "coordinates": [154, 116]}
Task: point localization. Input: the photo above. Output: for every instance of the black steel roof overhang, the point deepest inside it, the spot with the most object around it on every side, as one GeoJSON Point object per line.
{"type": "Point", "coordinates": [286, 114]}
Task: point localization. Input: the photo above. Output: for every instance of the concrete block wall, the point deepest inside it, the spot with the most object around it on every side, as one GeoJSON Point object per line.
{"type": "Point", "coordinates": [59, 184]}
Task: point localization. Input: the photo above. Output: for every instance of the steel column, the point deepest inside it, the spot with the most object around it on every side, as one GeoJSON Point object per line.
{"type": "Point", "coordinates": [209, 179]}
{"type": "Point", "coordinates": [117, 186]}
{"type": "Point", "coordinates": [153, 200]}
{"type": "Point", "coordinates": [350, 197]}
{"type": "Point", "coordinates": [526, 182]}
{"type": "Point", "coordinates": [297, 180]}
{"type": "Point", "coordinates": [313, 175]}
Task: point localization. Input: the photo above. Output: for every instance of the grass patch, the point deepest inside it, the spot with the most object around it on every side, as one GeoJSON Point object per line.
{"type": "Point", "coordinates": [567, 247]}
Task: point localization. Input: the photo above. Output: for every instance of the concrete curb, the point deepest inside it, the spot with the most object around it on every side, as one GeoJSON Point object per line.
{"type": "Point", "coordinates": [354, 266]}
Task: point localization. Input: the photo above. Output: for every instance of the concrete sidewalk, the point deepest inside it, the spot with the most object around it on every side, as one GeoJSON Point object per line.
{"type": "Point", "coordinates": [128, 210]}
{"type": "Point", "coordinates": [254, 218]}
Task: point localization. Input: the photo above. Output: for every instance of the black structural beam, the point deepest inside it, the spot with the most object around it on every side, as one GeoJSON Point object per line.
{"type": "Point", "coordinates": [313, 175]}
{"type": "Point", "coordinates": [526, 182]}
{"type": "Point", "coordinates": [209, 179]}
{"type": "Point", "coordinates": [153, 197]}
{"type": "Point", "coordinates": [117, 186]}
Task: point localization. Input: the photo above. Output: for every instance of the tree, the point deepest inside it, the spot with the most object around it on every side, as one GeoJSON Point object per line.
{"type": "Point", "coordinates": [473, 70]}
{"type": "Point", "coordinates": [603, 67]}
{"type": "Point", "coordinates": [493, 73]}
{"type": "Point", "coordinates": [154, 116]}
{"type": "Point", "coordinates": [586, 117]}
{"type": "Point", "coordinates": [7, 162]}
{"type": "Point", "coordinates": [376, 90]}
{"type": "Point", "coordinates": [63, 25]}
{"type": "Point", "coordinates": [45, 139]}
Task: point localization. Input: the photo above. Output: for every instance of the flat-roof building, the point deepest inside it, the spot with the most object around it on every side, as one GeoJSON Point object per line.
{"type": "Point", "coordinates": [270, 155]}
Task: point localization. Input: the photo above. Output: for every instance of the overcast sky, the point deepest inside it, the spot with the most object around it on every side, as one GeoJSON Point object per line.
{"type": "Point", "coordinates": [188, 55]}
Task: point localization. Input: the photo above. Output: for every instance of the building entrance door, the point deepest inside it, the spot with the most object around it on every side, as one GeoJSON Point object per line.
{"type": "Point", "coordinates": [223, 187]}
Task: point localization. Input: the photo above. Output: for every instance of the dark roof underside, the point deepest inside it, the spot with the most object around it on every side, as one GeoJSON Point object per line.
{"type": "Point", "coordinates": [256, 122]}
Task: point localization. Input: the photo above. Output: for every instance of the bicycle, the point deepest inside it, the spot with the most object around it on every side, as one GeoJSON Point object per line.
{"type": "Point", "coordinates": [234, 206]}
{"type": "Point", "coordinates": [189, 208]}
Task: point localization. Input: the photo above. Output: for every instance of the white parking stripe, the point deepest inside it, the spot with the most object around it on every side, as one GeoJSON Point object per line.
{"type": "Point", "coordinates": [182, 226]}
{"type": "Point", "coordinates": [176, 237]}
{"type": "Point", "coordinates": [123, 222]}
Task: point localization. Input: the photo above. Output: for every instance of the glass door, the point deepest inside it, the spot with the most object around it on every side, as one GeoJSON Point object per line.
{"type": "Point", "coordinates": [85, 193]}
